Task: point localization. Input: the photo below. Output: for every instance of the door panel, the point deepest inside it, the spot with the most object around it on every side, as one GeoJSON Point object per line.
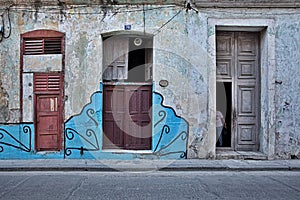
{"type": "Point", "coordinates": [139, 134]}
{"type": "Point", "coordinates": [225, 55]}
{"type": "Point", "coordinates": [246, 98]}
{"type": "Point", "coordinates": [247, 101]}
{"type": "Point", "coordinates": [247, 68]}
{"type": "Point", "coordinates": [238, 63]}
{"type": "Point", "coordinates": [48, 122]}
{"type": "Point", "coordinates": [127, 117]}
{"type": "Point", "coordinates": [48, 111]}
{"type": "Point", "coordinates": [113, 112]}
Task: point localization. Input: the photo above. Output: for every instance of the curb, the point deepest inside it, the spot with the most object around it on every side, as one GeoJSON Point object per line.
{"type": "Point", "coordinates": [147, 165]}
{"type": "Point", "coordinates": [144, 169]}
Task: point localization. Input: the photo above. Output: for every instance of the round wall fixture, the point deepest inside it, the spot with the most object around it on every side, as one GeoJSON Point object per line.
{"type": "Point", "coordinates": [163, 83]}
{"type": "Point", "coordinates": [138, 41]}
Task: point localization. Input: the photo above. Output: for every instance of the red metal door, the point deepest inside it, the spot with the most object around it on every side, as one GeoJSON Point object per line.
{"type": "Point", "coordinates": [48, 111]}
{"type": "Point", "coordinates": [127, 117]}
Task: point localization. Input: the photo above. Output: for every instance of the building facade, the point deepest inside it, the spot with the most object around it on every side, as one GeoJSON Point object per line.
{"type": "Point", "coordinates": [145, 79]}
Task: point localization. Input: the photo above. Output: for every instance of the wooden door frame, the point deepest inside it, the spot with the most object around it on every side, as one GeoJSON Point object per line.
{"type": "Point", "coordinates": [42, 33]}
{"type": "Point", "coordinates": [267, 113]}
{"type": "Point", "coordinates": [235, 86]}
{"type": "Point", "coordinates": [61, 109]}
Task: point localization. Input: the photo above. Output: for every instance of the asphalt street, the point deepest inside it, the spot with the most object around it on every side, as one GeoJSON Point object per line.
{"type": "Point", "coordinates": [150, 185]}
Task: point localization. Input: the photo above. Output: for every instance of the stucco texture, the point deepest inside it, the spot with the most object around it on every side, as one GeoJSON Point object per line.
{"type": "Point", "coordinates": [180, 56]}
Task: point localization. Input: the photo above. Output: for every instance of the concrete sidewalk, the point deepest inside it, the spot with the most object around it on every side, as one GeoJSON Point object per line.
{"type": "Point", "coordinates": [148, 165]}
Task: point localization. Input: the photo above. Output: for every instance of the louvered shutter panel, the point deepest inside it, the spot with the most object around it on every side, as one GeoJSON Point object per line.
{"type": "Point", "coordinates": [52, 46]}
{"type": "Point", "coordinates": [39, 46]}
{"type": "Point", "coordinates": [33, 46]}
{"type": "Point", "coordinates": [115, 58]}
{"type": "Point", "coordinates": [46, 82]}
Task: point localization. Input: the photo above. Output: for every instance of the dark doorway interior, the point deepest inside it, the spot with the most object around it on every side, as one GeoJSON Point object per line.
{"type": "Point", "coordinates": [224, 104]}
{"type": "Point", "coordinates": [138, 58]}
{"type": "Point", "coordinates": [136, 63]}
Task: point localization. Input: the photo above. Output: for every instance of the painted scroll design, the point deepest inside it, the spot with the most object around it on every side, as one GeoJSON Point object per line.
{"type": "Point", "coordinates": [183, 136]}
{"type": "Point", "coordinates": [167, 129]}
{"type": "Point", "coordinates": [162, 114]}
{"type": "Point", "coordinates": [82, 130]}
{"type": "Point", "coordinates": [91, 114]}
{"type": "Point", "coordinates": [87, 137]}
{"type": "Point", "coordinates": [5, 137]}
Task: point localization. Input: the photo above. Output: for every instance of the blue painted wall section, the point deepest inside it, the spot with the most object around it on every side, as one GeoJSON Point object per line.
{"type": "Point", "coordinates": [170, 131]}
{"type": "Point", "coordinates": [83, 132]}
{"type": "Point", "coordinates": [83, 136]}
{"type": "Point", "coordinates": [17, 142]}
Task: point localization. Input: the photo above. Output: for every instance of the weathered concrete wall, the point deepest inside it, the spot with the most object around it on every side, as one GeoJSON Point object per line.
{"type": "Point", "coordinates": [3, 104]}
{"type": "Point", "coordinates": [10, 74]}
{"type": "Point", "coordinates": [285, 79]}
{"type": "Point", "coordinates": [180, 56]}
{"type": "Point", "coordinates": [288, 86]}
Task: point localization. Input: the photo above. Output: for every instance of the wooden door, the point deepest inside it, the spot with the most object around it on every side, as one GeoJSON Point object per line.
{"type": "Point", "coordinates": [48, 111]}
{"type": "Point", "coordinates": [113, 114]}
{"type": "Point", "coordinates": [238, 63]}
{"type": "Point", "coordinates": [127, 117]}
{"type": "Point", "coordinates": [139, 121]}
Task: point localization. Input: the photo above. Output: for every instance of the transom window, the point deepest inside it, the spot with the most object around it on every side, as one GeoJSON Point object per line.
{"type": "Point", "coordinates": [127, 59]}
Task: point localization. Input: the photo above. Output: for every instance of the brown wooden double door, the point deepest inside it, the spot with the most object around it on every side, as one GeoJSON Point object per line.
{"type": "Point", "coordinates": [127, 117]}
{"type": "Point", "coordinates": [238, 71]}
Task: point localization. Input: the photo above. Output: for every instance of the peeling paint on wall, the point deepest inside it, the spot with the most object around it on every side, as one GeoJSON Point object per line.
{"type": "Point", "coordinates": [287, 95]}
{"type": "Point", "coordinates": [4, 98]}
{"type": "Point", "coordinates": [180, 57]}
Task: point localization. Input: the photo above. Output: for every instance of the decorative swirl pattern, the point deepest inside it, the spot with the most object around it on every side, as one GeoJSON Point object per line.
{"type": "Point", "coordinates": [91, 113]}
{"type": "Point", "coordinates": [19, 144]}
{"type": "Point", "coordinates": [68, 151]}
{"type": "Point", "coordinates": [88, 138]}
{"type": "Point", "coordinates": [165, 129]}
{"type": "Point", "coordinates": [162, 114]}
{"type": "Point", "coordinates": [183, 155]}
{"type": "Point", "coordinates": [183, 135]}
{"type": "Point", "coordinates": [161, 150]}
{"type": "Point", "coordinates": [69, 131]}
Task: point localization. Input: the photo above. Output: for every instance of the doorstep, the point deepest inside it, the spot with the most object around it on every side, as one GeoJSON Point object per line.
{"type": "Point", "coordinates": [240, 155]}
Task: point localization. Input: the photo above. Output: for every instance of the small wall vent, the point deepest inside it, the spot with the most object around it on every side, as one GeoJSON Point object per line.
{"type": "Point", "coordinates": [37, 46]}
